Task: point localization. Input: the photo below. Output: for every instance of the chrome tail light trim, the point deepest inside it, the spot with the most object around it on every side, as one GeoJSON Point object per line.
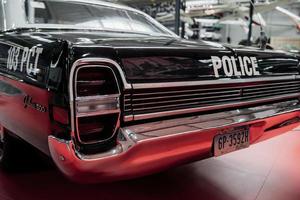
{"type": "Point", "coordinates": [99, 105]}
{"type": "Point", "coordinates": [93, 105]}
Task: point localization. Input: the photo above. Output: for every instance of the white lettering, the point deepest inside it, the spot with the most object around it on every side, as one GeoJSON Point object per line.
{"type": "Point", "coordinates": [28, 60]}
{"type": "Point", "coordinates": [228, 70]}
{"type": "Point", "coordinates": [16, 59]}
{"type": "Point", "coordinates": [39, 51]}
{"type": "Point", "coordinates": [235, 66]}
{"type": "Point", "coordinates": [29, 67]}
{"type": "Point", "coordinates": [217, 64]}
{"type": "Point", "coordinates": [247, 68]}
{"type": "Point", "coordinates": [13, 58]}
{"type": "Point", "coordinates": [24, 58]}
{"type": "Point", "coordinates": [242, 66]}
{"type": "Point", "coordinates": [9, 57]}
{"type": "Point", "coordinates": [236, 72]}
{"type": "Point", "coordinates": [255, 66]}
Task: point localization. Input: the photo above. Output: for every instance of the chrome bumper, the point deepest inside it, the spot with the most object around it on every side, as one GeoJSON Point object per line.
{"type": "Point", "coordinates": [151, 147]}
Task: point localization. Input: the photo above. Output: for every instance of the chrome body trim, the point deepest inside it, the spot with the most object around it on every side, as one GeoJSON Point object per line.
{"type": "Point", "coordinates": [175, 94]}
{"type": "Point", "coordinates": [143, 132]}
{"type": "Point", "coordinates": [81, 101]}
{"type": "Point", "coordinates": [271, 85]}
{"type": "Point", "coordinates": [211, 82]}
{"type": "Point", "coordinates": [151, 147]}
{"type": "Point", "coordinates": [98, 62]}
{"type": "Point", "coordinates": [103, 111]}
{"type": "Point", "coordinates": [105, 98]}
{"type": "Point", "coordinates": [128, 118]}
{"type": "Point", "coordinates": [214, 107]}
{"type": "Point", "coordinates": [97, 105]}
{"type": "Point", "coordinates": [90, 61]}
{"type": "Point", "coordinates": [213, 121]}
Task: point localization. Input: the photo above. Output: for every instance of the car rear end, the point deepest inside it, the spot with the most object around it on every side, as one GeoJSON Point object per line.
{"type": "Point", "coordinates": [146, 111]}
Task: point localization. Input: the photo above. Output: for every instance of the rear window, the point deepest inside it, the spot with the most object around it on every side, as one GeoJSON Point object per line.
{"type": "Point", "coordinates": [87, 15]}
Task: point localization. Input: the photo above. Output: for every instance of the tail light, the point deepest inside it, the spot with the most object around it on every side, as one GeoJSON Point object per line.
{"type": "Point", "coordinates": [92, 81]}
{"type": "Point", "coordinates": [97, 110]}
{"type": "Point", "coordinates": [96, 128]}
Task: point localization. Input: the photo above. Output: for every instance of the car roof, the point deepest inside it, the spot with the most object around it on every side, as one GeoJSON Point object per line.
{"type": "Point", "coordinates": [100, 2]}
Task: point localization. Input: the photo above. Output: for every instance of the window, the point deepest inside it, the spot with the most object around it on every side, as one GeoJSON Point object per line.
{"type": "Point", "coordinates": [88, 15]}
{"type": "Point", "coordinates": [140, 23]}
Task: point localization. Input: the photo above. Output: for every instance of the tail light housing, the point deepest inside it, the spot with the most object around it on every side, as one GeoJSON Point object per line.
{"type": "Point", "coordinates": [96, 128]}
{"type": "Point", "coordinates": [96, 104]}
{"type": "Point", "coordinates": [95, 81]}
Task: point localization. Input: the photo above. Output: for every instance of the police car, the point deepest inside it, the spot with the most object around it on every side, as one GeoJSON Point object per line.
{"type": "Point", "coordinates": [109, 93]}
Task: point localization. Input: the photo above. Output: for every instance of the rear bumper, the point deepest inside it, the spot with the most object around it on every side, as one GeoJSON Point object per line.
{"type": "Point", "coordinates": [151, 147]}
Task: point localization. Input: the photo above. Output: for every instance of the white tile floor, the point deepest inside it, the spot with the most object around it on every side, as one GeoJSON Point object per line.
{"type": "Point", "coordinates": [269, 170]}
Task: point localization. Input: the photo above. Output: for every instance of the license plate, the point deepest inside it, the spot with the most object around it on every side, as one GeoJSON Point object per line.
{"type": "Point", "coordinates": [232, 139]}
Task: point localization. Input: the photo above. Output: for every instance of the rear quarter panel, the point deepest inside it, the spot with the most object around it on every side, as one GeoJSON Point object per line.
{"type": "Point", "coordinates": [25, 99]}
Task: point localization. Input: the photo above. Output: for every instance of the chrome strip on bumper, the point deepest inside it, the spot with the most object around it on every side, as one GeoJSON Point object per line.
{"type": "Point", "coordinates": [151, 147]}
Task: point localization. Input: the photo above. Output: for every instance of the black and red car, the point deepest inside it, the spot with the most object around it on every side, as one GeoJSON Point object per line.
{"type": "Point", "coordinates": [111, 94]}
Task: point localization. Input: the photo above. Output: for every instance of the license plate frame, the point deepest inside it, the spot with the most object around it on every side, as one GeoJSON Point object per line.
{"type": "Point", "coordinates": [231, 139]}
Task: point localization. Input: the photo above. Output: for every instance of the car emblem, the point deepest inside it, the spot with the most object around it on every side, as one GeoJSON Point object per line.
{"type": "Point", "coordinates": [54, 65]}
